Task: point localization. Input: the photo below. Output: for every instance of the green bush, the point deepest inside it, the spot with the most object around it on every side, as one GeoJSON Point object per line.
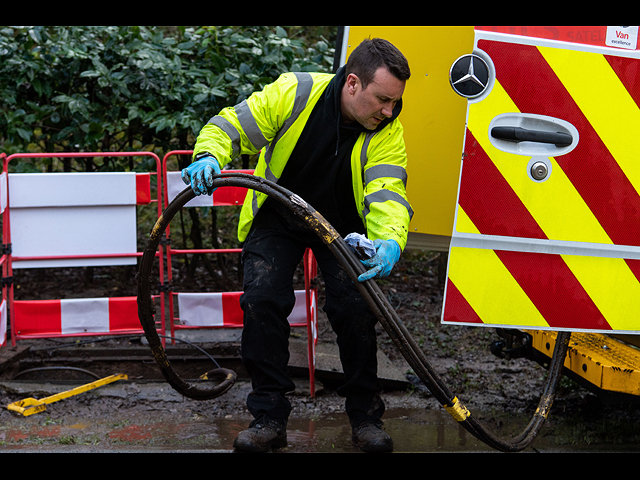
{"type": "Point", "coordinates": [132, 88]}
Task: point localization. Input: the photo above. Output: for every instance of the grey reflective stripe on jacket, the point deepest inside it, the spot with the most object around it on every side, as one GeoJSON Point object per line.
{"type": "Point", "coordinates": [249, 126]}
{"type": "Point", "coordinates": [383, 196]}
{"type": "Point", "coordinates": [383, 171]}
{"type": "Point", "coordinates": [303, 92]}
{"type": "Point", "coordinates": [231, 131]}
{"type": "Point", "coordinates": [380, 171]}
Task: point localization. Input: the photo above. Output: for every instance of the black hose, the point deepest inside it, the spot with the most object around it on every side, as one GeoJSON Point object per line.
{"type": "Point", "coordinates": [146, 314]}
{"type": "Point", "coordinates": [118, 337]}
{"type": "Point", "coordinates": [376, 300]}
{"type": "Point", "coordinates": [44, 369]}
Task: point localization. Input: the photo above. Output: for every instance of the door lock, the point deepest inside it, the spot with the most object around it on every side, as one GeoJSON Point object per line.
{"type": "Point", "coordinates": [539, 170]}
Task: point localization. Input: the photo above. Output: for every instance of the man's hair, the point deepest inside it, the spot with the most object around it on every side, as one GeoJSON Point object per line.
{"type": "Point", "coordinates": [374, 53]}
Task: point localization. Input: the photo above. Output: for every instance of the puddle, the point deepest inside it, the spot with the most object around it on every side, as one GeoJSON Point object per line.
{"type": "Point", "coordinates": [413, 431]}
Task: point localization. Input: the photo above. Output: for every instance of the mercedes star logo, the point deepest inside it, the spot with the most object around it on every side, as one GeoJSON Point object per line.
{"type": "Point", "coordinates": [469, 76]}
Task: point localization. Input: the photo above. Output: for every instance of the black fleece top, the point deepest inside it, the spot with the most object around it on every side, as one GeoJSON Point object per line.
{"type": "Point", "coordinates": [319, 168]}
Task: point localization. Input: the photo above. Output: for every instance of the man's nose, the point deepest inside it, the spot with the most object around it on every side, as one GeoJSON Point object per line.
{"type": "Point", "coordinates": [387, 109]}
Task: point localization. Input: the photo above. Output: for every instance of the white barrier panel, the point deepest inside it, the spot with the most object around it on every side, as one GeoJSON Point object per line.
{"type": "Point", "coordinates": [84, 315]}
{"type": "Point", "coordinates": [72, 189]}
{"type": "Point", "coordinates": [3, 323]}
{"type": "Point", "coordinates": [71, 214]}
{"type": "Point", "coordinates": [175, 185]}
{"type": "Point", "coordinates": [3, 192]}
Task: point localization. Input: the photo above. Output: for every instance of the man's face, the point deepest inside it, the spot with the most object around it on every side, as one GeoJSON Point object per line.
{"type": "Point", "coordinates": [371, 105]}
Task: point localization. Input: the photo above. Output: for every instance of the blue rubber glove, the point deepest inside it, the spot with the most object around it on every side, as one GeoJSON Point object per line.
{"type": "Point", "coordinates": [200, 175]}
{"type": "Point", "coordinates": [380, 265]}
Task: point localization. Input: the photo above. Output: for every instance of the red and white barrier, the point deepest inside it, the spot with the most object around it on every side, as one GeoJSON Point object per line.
{"type": "Point", "coordinates": [82, 316]}
{"type": "Point", "coordinates": [74, 219]}
{"type": "Point", "coordinates": [88, 219]}
{"type": "Point", "coordinates": [222, 309]}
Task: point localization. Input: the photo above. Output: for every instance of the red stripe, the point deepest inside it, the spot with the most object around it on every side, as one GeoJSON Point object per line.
{"type": "Point", "coordinates": [229, 196]}
{"type": "Point", "coordinates": [457, 309]}
{"type": "Point", "coordinates": [535, 88]}
{"type": "Point", "coordinates": [634, 266]}
{"type": "Point", "coordinates": [556, 293]}
{"type": "Point", "coordinates": [628, 71]}
{"type": "Point", "coordinates": [37, 317]}
{"type": "Point", "coordinates": [488, 199]}
{"type": "Point", "coordinates": [231, 311]}
{"type": "Point", "coordinates": [143, 188]}
{"type": "Point", "coordinates": [123, 314]}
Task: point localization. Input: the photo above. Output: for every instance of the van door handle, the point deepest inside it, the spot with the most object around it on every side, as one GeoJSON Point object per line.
{"type": "Point", "coordinates": [517, 134]}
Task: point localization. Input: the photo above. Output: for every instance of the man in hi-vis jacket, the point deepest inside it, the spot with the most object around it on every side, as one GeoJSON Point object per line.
{"type": "Point", "coordinates": [336, 141]}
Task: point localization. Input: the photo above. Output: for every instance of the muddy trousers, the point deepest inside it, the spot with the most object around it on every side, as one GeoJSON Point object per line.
{"type": "Point", "coordinates": [270, 258]}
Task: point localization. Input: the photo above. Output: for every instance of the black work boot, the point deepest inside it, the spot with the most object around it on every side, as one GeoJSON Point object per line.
{"type": "Point", "coordinates": [370, 437]}
{"type": "Point", "coordinates": [263, 434]}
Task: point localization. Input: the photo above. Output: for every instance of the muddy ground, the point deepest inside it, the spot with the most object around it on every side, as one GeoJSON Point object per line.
{"type": "Point", "coordinates": [489, 386]}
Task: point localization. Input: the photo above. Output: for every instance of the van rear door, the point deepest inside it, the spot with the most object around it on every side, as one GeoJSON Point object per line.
{"type": "Point", "coordinates": [547, 226]}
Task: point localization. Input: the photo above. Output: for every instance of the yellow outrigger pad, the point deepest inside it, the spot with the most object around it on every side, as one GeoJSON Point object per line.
{"type": "Point", "coordinates": [29, 406]}
{"type": "Point", "coordinates": [610, 365]}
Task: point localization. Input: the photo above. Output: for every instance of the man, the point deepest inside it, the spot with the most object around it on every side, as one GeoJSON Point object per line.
{"type": "Point", "coordinates": [342, 145]}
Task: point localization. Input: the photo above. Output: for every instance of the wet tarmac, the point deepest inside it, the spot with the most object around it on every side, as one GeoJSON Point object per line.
{"type": "Point", "coordinates": [412, 431]}
{"type": "Point", "coordinates": [180, 430]}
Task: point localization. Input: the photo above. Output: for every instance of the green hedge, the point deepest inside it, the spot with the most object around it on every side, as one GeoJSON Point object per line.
{"type": "Point", "coordinates": [132, 88]}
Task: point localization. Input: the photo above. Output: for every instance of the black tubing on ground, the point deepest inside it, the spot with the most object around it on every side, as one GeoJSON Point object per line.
{"type": "Point", "coordinates": [376, 300]}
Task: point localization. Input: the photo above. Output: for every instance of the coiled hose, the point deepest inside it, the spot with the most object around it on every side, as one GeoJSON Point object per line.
{"type": "Point", "coordinates": [376, 300]}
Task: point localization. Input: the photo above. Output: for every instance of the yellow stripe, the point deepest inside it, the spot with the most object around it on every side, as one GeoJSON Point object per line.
{"type": "Point", "coordinates": [464, 223]}
{"type": "Point", "coordinates": [605, 102]}
{"type": "Point", "coordinates": [555, 204]}
{"type": "Point", "coordinates": [612, 287]}
{"type": "Point", "coordinates": [490, 289]}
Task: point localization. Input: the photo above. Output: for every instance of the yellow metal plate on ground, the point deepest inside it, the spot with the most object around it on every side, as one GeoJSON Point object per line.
{"type": "Point", "coordinates": [433, 117]}
{"type": "Point", "coordinates": [29, 406]}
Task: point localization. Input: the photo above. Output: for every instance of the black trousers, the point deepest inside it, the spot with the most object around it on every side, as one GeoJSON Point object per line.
{"type": "Point", "coordinates": [270, 256]}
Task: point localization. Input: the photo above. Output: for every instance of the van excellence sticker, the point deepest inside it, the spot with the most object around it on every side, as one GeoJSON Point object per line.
{"type": "Point", "coordinates": [622, 37]}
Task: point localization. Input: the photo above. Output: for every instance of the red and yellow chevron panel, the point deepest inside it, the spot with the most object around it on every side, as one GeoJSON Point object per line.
{"type": "Point", "coordinates": [542, 291]}
{"type": "Point", "coordinates": [588, 209]}
{"type": "Point", "coordinates": [592, 193]}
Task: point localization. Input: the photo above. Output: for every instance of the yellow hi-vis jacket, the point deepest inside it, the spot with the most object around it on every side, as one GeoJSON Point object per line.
{"type": "Point", "coordinates": [271, 121]}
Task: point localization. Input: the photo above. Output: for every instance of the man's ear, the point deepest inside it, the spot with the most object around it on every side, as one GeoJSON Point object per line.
{"type": "Point", "coordinates": [353, 83]}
